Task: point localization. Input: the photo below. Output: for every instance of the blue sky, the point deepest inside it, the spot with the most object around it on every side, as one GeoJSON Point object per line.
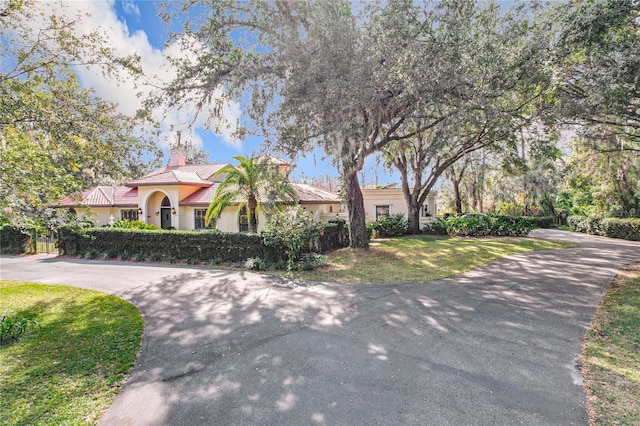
{"type": "Point", "coordinates": [133, 26]}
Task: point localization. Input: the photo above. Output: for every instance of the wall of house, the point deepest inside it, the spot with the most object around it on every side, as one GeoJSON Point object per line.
{"type": "Point", "coordinates": [229, 220]}
{"type": "Point", "coordinates": [394, 199]}
{"type": "Point", "coordinates": [98, 216]}
{"type": "Point", "coordinates": [323, 212]}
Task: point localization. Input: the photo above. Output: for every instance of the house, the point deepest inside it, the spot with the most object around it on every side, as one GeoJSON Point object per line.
{"type": "Point", "coordinates": [177, 196]}
{"type": "Point", "coordinates": [380, 202]}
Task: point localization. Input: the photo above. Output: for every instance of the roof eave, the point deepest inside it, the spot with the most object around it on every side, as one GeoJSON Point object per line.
{"type": "Point", "coordinates": [199, 184]}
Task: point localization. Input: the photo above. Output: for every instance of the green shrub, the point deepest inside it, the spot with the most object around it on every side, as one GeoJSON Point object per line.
{"type": "Point", "coordinates": [513, 226]}
{"type": "Point", "coordinates": [483, 226]}
{"type": "Point", "coordinates": [370, 230]}
{"type": "Point", "coordinates": [254, 264]}
{"type": "Point", "coordinates": [577, 223]}
{"type": "Point", "coordinates": [157, 245]}
{"type": "Point", "coordinates": [593, 225]}
{"type": "Point", "coordinates": [133, 224]}
{"type": "Point", "coordinates": [333, 235]}
{"type": "Point", "coordinates": [293, 231]}
{"type": "Point", "coordinates": [627, 229]}
{"type": "Point", "coordinates": [393, 225]}
{"type": "Point", "coordinates": [13, 240]}
{"type": "Point", "coordinates": [311, 261]}
{"type": "Point", "coordinates": [437, 227]}
{"type": "Point", "coordinates": [14, 327]}
{"type": "Point", "coordinates": [545, 222]}
{"type": "Point", "coordinates": [472, 227]}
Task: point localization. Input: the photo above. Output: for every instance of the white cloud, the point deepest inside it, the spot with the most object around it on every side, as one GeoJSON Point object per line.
{"type": "Point", "coordinates": [101, 15]}
{"type": "Point", "coordinates": [130, 8]}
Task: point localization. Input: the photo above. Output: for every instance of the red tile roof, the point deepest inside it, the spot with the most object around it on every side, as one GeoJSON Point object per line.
{"type": "Point", "coordinates": [306, 195]}
{"type": "Point", "coordinates": [193, 174]}
{"type": "Point", "coordinates": [311, 195]}
{"type": "Point", "coordinates": [202, 197]}
{"type": "Point", "coordinates": [102, 196]}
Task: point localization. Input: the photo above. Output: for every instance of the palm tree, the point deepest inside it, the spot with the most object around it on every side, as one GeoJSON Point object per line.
{"type": "Point", "coordinates": [252, 183]}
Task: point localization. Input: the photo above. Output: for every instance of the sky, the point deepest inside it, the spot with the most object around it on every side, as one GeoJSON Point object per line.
{"type": "Point", "coordinates": [133, 26]}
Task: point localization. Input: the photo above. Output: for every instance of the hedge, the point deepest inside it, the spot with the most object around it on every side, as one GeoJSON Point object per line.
{"type": "Point", "coordinates": [626, 229]}
{"type": "Point", "coordinates": [13, 240]}
{"type": "Point", "coordinates": [185, 246]}
{"type": "Point", "coordinates": [333, 236]}
{"type": "Point", "coordinates": [518, 226]}
{"type": "Point", "coordinates": [543, 221]}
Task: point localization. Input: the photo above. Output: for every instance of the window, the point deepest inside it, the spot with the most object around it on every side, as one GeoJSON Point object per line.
{"type": "Point", "coordinates": [199, 219]}
{"type": "Point", "coordinates": [382, 211]}
{"type": "Point", "coordinates": [129, 214]}
{"type": "Point", "coordinates": [425, 211]}
{"type": "Point", "coordinates": [243, 220]}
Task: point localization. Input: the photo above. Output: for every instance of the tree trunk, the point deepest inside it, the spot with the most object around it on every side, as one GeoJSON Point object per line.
{"type": "Point", "coordinates": [253, 217]}
{"type": "Point", "coordinates": [414, 216]}
{"type": "Point", "coordinates": [355, 205]}
{"type": "Point", "coordinates": [456, 195]}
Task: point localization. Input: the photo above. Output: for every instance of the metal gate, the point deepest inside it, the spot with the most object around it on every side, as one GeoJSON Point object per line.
{"type": "Point", "coordinates": [46, 242]}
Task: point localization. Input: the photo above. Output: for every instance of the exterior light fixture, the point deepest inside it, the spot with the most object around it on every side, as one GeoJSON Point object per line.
{"type": "Point", "coordinates": [157, 213]}
{"type": "Point", "coordinates": [173, 210]}
{"type": "Point", "coordinates": [140, 211]}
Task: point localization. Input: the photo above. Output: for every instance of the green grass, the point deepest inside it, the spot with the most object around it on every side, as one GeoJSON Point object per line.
{"type": "Point", "coordinates": [612, 354]}
{"type": "Point", "coordinates": [419, 259]}
{"type": "Point", "coordinates": [69, 371]}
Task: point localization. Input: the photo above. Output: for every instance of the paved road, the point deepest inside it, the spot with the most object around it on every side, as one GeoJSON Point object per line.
{"type": "Point", "coordinates": [497, 345]}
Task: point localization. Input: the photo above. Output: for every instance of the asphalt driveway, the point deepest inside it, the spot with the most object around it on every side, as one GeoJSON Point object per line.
{"type": "Point", "coordinates": [498, 345]}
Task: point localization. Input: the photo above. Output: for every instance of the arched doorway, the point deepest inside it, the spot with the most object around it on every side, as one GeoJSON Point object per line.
{"type": "Point", "coordinates": [165, 213]}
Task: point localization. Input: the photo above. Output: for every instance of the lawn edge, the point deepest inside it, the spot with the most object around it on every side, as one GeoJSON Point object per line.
{"type": "Point", "coordinates": [625, 274]}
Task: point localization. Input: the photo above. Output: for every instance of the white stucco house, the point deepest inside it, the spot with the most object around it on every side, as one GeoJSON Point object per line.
{"type": "Point", "coordinates": [177, 197]}
{"type": "Point", "coordinates": [385, 201]}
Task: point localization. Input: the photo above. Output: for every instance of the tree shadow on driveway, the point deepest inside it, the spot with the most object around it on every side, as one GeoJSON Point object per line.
{"type": "Point", "coordinates": [499, 344]}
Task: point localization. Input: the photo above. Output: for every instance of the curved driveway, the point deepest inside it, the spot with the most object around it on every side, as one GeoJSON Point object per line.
{"type": "Point", "coordinates": [498, 345]}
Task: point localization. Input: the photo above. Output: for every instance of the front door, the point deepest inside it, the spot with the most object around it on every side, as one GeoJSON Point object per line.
{"type": "Point", "coordinates": [165, 217]}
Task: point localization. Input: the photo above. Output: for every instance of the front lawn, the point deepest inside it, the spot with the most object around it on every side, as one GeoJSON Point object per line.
{"type": "Point", "coordinates": [419, 259]}
{"type": "Point", "coordinates": [612, 353]}
{"type": "Point", "coordinates": [68, 369]}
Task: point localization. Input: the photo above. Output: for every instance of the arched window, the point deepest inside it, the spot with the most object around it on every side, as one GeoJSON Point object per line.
{"type": "Point", "coordinates": [166, 202]}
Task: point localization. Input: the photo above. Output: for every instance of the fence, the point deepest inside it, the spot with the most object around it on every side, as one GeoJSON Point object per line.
{"type": "Point", "coordinates": [46, 243]}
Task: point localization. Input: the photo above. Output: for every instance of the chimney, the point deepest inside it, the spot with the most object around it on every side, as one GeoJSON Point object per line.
{"type": "Point", "coordinates": [176, 158]}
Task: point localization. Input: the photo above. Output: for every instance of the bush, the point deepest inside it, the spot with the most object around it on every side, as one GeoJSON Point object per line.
{"type": "Point", "coordinates": [159, 245]}
{"type": "Point", "coordinates": [577, 223]}
{"type": "Point", "coordinates": [393, 225]}
{"type": "Point", "coordinates": [311, 261]}
{"type": "Point", "coordinates": [437, 227]}
{"type": "Point", "coordinates": [133, 224]}
{"type": "Point", "coordinates": [13, 328]}
{"type": "Point", "coordinates": [370, 230]}
{"type": "Point", "coordinates": [483, 226]}
{"type": "Point", "coordinates": [627, 229]}
{"type": "Point", "coordinates": [512, 226]}
{"type": "Point", "coordinates": [254, 264]}
{"type": "Point", "coordinates": [13, 240]}
{"type": "Point", "coordinates": [293, 231]}
{"type": "Point", "coordinates": [333, 235]}
{"type": "Point", "coordinates": [545, 222]}
{"type": "Point", "coordinates": [471, 227]}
